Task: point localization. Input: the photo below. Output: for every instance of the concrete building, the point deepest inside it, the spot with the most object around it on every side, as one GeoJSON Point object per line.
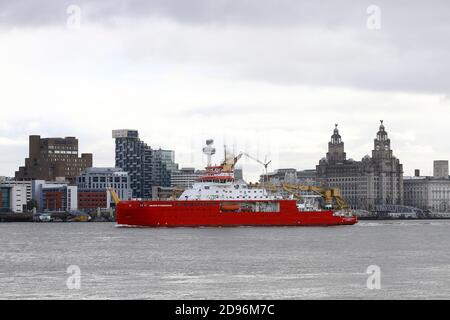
{"type": "Point", "coordinates": [13, 198]}
{"type": "Point", "coordinates": [185, 177]}
{"type": "Point", "coordinates": [53, 158]}
{"type": "Point", "coordinates": [26, 184]}
{"type": "Point", "coordinates": [376, 180]}
{"type": "Point", "coordinates": [54, 194]}
{"type": "Point", "coordinates": [146, 167]}
{"type": "Point", "coordinates": [100, 179]}
{"type": "Point", "coordinates": [290, 176]}
{"type": "Point", "coordinates": [440, 169]}
{"type": "Point", "coordinates": [429, 193]}
{"type": "Point", "coordinates": [63, 198]}
{"type": "Point", "coordinates": [93, 184]}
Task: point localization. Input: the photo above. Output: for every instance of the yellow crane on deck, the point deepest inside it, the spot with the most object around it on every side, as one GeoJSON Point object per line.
{"type": "Point", "coordinates": [114, 196]}
{"type": "Point", "coordinates": [331, 196]}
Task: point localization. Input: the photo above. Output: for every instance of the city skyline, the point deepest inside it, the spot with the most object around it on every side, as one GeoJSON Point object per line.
{"type": "Point", "coordinates": [271, 77]}
{"type": "Point", "coordinates": [235, 148]}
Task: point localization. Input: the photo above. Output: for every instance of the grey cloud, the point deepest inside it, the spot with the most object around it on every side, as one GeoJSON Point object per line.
{"type": "Point", "coordinates": [26, 12]}
{"type": "Point", "coordinates": [292, 12]}
{"type": "Point", "coordinates": [410, 53]}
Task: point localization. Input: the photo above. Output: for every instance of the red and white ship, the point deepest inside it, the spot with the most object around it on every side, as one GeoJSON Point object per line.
{"type": "Point", "coordinates": [217, 199]}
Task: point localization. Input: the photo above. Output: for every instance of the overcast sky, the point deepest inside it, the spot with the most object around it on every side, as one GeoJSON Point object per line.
{"type": "Point", "coordinates": [270, 77]}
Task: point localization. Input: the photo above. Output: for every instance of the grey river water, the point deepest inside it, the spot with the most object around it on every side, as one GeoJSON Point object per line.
{"type": "Point", "coordinates": [225, 263]}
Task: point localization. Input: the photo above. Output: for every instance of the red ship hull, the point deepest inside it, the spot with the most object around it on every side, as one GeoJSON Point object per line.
{"type": "Point", "coordinates": [195, 213]}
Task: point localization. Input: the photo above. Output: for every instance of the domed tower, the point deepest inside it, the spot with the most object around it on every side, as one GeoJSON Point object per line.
{"type": "Point", "coordinates": [336, 147]}
{"type": "Point", "coordinates": [382, 144]}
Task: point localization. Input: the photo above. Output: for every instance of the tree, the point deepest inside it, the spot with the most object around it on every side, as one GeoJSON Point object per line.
{"type": "Point", "coordinates": [32, 204]}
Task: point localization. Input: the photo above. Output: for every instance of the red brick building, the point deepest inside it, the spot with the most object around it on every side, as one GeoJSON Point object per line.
{"type": "Point", "coordinates": [91, 200]}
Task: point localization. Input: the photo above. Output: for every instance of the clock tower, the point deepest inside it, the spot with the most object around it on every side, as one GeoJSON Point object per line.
{"type": "Point", "coordinates": [336, 147]}
{"type": "Point", "coordinates": [370, 184]}
{"type": "Point", "coordinates": [382, 145]}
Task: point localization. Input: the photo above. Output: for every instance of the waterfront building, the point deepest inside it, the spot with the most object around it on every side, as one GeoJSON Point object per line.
{"type": "Point", "coordinates": [375, 180]}
{"type": "Point", "coordinates": [93, 184]}
{"type": "Point", "coordinates": [146, 167]}
{"type": "Point", "coordinates": [59, 198]}
{"type": "Point", "coordinates": [13, 198]}
{"type": "Point", "coordinates": [429, 193]}
{"type": "Point", "coordinates": [54, 195]}
{"type": "Point", "coordinates": [90, 201]}
{"type": "Point", "coordinates": [53, 158]}
{"type": "Point", "coordinates": [26, 184]}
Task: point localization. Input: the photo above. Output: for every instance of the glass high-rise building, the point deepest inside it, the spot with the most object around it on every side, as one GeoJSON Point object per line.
{"type": "Point", "coordinates": [146, 167]}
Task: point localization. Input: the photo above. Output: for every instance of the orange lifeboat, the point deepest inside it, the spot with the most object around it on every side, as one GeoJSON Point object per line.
{"type": "Point", "coordinates": [230, 207]}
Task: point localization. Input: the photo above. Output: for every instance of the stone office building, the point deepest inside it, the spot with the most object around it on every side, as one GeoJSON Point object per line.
{"type": "Point", "coordinates": [290, 176]}
{"type": "Point", "coordinates": [146, 167]}
{"type": "Point", "coordinates": [375, 180]}
{"type": "Point", "coordinates": [53, 159]}
{"type": "Point", "coordinates": [429, 193]}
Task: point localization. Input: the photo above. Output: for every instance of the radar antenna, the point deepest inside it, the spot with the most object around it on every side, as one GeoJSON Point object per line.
{"type": "Point", "coordinates": [209, 150]}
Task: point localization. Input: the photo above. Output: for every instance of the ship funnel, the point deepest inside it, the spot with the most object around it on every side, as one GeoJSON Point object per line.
{"type": "Point", "coordinates": [209, 150]}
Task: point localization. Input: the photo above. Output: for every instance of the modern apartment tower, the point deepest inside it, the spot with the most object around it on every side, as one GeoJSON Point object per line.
{"type": "Point", "coordinates": [146, 167]}
{"type": "Point", "coordinates": [53, 158]}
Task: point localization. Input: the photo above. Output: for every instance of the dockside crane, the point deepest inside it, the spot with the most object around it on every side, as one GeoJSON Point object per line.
{"type": "Point", "coordinates": [264, 164]}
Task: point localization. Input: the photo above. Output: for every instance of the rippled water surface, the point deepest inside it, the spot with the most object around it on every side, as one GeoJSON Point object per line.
{"type": "Point", "coordinates": [232, 263]}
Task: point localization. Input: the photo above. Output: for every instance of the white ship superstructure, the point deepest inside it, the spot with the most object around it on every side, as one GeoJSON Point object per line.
{"type": "Point", "coordinates": [229, 190]}
{"type": "Point", "coordinates": [219, 182]}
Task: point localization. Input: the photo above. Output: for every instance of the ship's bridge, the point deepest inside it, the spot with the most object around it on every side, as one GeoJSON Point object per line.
{"type": "Point", "coordinates": [217, 174]}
